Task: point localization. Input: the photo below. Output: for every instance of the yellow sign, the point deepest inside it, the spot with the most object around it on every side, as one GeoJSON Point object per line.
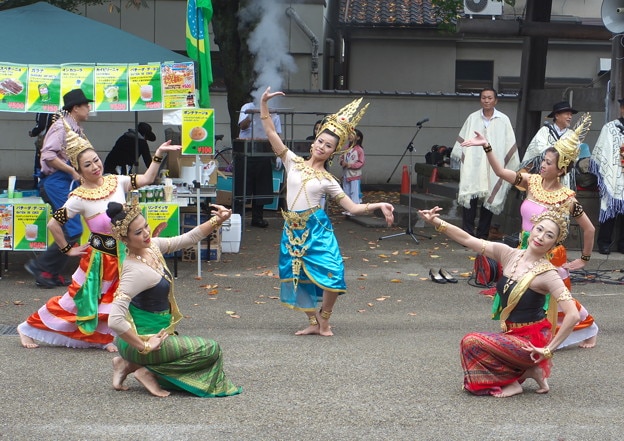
{"type": "Point", "coordinates": [163, 218]}
{"type": "Point", "coordinates": [145, 87]}
{"type": "Point", "coordinates": [76, 76]}
{"type": "Point", "coordinates": [30, 227]}
{"type": "Point", "coordinates": [44, 89]}
{"type": "Point", "coordinates": [198, 131]}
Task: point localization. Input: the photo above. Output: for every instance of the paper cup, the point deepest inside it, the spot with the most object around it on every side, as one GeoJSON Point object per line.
{"type": "Point", "coordinates": [11, 187]}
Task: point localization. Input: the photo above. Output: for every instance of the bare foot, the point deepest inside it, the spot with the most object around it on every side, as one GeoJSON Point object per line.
{"type": "Point", "coordinates": [324, 327]}
{"type": "Point", "coordinates": [589, 343]}
{"type": "Point", "coordinates": [121, 369]}
{"type": "Point", "coordinates": [111, 348]}
{"type": "Point", "coordinates": [310, 330]}
{"type": "Point", "coordinates": [537, 374]}
{"type": "Point", "coordinates": [147, 379]}
{"type": "Point", "coordinates": [26, 341]}
{"type": "Point", "coordinates": [509, 391]}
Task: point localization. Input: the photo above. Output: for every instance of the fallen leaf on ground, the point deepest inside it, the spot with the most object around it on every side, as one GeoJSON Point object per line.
{"type": "Point", "coordinates": [434, 256]}
{"type": "Point", "coordinates": [380, 299]}
{"type": "Point", "coordinates": [274, 297]}
{"type": "Point", "coordinates": [383, 256]}
{"type": "Point", "coordinates": [18, 302]}
{"type": "Point", "coordinates": [361, 310]}
{"type": "Point", "coordinates": [411, 313]}
{"type": "Point", "coordinates": [395, 281]}
{"type": "Point", "coordinates": [395, 253]}
{"type": "Point", "coordinates": [413, 275]}
{"type": "Point", "coordinates": [230, 312]}
{"type": "Point", "coordinates": [234, 316]}
{"type": "Point", "coordinates": [424, 278]}
{"type": "Point", "coordinates": [220, 275]}
{"type": "Point", "coordinates": [369, 304]}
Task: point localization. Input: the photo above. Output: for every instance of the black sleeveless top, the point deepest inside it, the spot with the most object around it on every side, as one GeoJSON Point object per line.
{"type": "Point", "coordinates": [154, 299]}
{"type": "Point", "coordinates": [530, 308]}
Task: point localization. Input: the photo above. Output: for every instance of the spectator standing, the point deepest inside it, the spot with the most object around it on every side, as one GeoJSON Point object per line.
{"type": "Point", "coordinates": [477, 181]}
{"type": "Point", "coordinates": [123, 156]}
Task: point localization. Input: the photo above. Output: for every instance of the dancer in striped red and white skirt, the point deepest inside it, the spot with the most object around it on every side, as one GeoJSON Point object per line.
{"type": "Point", "coordinates": [79, 318]}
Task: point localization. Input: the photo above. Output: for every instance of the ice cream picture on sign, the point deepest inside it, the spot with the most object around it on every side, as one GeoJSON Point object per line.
{"type": "Point", "coordinates": [198, 134]}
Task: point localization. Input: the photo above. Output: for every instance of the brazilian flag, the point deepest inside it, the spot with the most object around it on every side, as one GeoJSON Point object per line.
{"type": "Point", "coordinates": [198, 15]}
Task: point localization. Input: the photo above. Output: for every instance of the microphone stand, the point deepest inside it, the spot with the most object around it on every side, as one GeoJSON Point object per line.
{"type": "Point", "coordinates": [408, 231]}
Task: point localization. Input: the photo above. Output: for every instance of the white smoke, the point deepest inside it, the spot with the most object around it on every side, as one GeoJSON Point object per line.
{"type": "Point", "coordinates": [268, 43]}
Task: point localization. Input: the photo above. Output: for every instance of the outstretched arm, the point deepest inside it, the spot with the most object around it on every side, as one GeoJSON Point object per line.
{"type": "Point", "coordinates": [432, 217]}
{"type": "Point", "coordinates": [267, 123]}
{"type": "Point", "coordinates": [511, 176]}
{"type": "Point", "coordinates": [353, 208]}
{"type": "Point", "coordinates": [152, 171]}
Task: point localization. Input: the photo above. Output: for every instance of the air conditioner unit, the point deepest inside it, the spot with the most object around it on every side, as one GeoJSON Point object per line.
{"type": "Point", "coordinates": [483, 7]}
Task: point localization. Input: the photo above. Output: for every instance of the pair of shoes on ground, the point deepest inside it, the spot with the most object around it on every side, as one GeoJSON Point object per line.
{"type": "Point", "coordinates": [347, 213]}
{"type": "Point", "coordinates": [260, 223]}
{"type": "Point", "coordinates": [442, 276]}
{"type": "Point", "coordinates": [44, 279]}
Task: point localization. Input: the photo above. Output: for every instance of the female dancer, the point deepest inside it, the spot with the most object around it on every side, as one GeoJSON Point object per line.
{"type": "Point", "coordinates": [144, 313]}
{"type": "Point", "coordinates": [498, 363]}
{"type": "Point", "coordinates": [78, 319]}
{"type": "Point", "coordinates": [544, 191]}
{"type": "Point", "coordinates": [310, 265]}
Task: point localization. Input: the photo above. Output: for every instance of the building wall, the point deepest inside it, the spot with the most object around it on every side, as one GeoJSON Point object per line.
{"type": "Point", "coordinates": [396, 67]}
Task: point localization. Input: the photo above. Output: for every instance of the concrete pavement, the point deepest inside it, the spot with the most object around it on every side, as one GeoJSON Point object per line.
{"type": "Point", "coordinates": [391, 371]}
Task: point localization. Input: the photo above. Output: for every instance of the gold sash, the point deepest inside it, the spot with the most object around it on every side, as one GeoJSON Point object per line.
{"type": "Point", "coordinates": [518, 291]}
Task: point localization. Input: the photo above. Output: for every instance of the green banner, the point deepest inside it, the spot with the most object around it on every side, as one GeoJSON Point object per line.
{"type": "Point", "coordinates": [30, 227]}
{"type": "Point", "coordinates": [198, 131]}
{"type": "Point", "coordinates": [44, 89]}
{"type": "Point", "coordinates": [13, 87]}
{"type": "Point", "coordinates": [111, 88]}
{"type": "Point", "coordinates": [76, 76]}
{"type": "Point", "coordinates": [163, 218]}
{"type": "Point", "coordinates": [145, 87]}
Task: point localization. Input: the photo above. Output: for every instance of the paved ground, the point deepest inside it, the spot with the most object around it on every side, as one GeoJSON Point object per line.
{"type": "Point", "coordinates": [391, 372]}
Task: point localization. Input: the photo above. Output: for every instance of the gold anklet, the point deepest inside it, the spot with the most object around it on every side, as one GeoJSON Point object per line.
{"type": "Point", "coordinates": [325, 314]}
{"type": "Point", "coordinates": [312, 319]}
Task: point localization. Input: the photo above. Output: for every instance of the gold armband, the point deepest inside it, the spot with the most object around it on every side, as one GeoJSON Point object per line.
{"type": "Point", "coordinates": [61, 215]}
{"type": "Point", "coordinates": [518, 178]}
{"type": "Point", "coordinates": [157, 159]}
{"type": "Point", "coordinates": [565, 295]}
{"type": "Point", "coordinates": [487, 148]}
{"type": "Point", "coordinates": [366, 210]}
{"type": "Point", "coordinates": [577, 210]}
{"type": "Point", "coordinates": [483, 244]}
{"type": "Point", "coordinates": [214, 222]}
{"type": "Point", "coordinates": [264, 117]}
{"type": "Point", "coordinates": [133, 181]}
{"type": "Point", "coordinates": [585, 257]}
{"type": "Point", "coordinates": [547, 353]}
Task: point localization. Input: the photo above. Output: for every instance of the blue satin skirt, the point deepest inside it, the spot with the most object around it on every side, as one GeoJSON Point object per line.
{"type": "Point", "coordinates": [310, 260]}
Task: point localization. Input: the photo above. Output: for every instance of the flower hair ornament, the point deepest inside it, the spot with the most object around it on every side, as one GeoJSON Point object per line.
{"type": "Point", "coordinates": [568, 145]}
{"type": "Point", "coordinates": [343, 123]}
{"type": "Point", "coordinates": [74, 144]}
{"type": "Point", "coordinates": [559, 214]}
{"type": "Point", "coordinates": [120, 226]}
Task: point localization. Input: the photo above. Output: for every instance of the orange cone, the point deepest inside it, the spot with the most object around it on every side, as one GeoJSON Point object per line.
{"type": "Point", "coordinates": [434, 175]}
{"type": "Point", "coordinates": [405, 187]}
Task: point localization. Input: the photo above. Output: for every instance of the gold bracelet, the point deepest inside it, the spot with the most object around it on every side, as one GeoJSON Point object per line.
{"type": "Point", "coordinates": [442, 227]}
{"type": "Point", "coordinates": [366, 210]}
{"type": "Point", "coordinates": [147, 348]}
{"type": "Point", "coordinates": [547, 353]}
{"type": "Point", "coordinates": [585, 257]}
{"type": "Point", "coordinates": [487, 148]}
{"type": "Point", "coordinates": [214, 222]}
{"type": "Point", "coordinates": [157, 159]}
{"type": "Point", "coordinates": [66, 248]}
{"type": "Point", "coordinates": [265, 116]}
{"type": "Point", "coordinates": [483, 244]}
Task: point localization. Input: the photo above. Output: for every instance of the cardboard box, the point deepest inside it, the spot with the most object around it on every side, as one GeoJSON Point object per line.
{"type": "Point", "coordinates": [224, 198]}
{"type": "Point", "coordinates": [190, 253]}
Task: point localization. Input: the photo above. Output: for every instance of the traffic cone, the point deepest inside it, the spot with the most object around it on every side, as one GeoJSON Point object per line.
{"type": "Point", "coordinates": [405, 186]}
{"type": "Point", "coordinates": [434, 175]}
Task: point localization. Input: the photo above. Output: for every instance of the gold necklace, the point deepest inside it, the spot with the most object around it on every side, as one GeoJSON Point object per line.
{"type": "Point", "coordinates": [154, 263]}
{"type": "Point", "coordinates": [510, 279]}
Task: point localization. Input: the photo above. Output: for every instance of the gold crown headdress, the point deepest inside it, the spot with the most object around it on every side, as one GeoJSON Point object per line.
{"type": "Point", "coordinates": [120, 227]}
{"type": "Point", "coordinates": [559, 214]}
{"type": "Point", "coordinates": [74, 144]}
{"type": "Point", "coordinates": [568, 145]}
{"type": "Point", "coordinates": [343, 123]}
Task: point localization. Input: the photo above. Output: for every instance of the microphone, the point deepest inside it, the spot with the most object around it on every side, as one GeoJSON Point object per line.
{"type": "Point", "coordinates": [422, 121]}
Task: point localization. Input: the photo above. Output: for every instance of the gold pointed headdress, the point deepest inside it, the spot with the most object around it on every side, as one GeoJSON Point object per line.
{"type": "Point", "coordinates": [559, 214]}
{"type": "Point", "coordinates": [343, 123]}
{"type": "Point", "coordinates": [74, 144]}
{"type": "Point", "coordinates": [120, 226]}
{"type": "Point", "coordinates": [568, 145]}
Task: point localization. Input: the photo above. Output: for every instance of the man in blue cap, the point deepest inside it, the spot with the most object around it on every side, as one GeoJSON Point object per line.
{"type": "Point", "coordinates": [58, 178]}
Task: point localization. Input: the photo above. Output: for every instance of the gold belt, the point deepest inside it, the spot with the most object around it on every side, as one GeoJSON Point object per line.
{"type": "Point", "coordinates": [297, 219]}
{"type": "Point", "coordinates": [521, 325]}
